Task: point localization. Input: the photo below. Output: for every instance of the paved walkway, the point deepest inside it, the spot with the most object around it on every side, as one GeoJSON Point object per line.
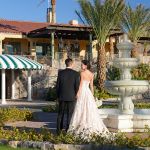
{"type": "Point", "coordinates": [41, 119]}
{"type": "Point", "coordinates": [35, 104]}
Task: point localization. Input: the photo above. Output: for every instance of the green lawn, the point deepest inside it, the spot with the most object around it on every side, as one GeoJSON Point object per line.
{"type": "Point", "coordinates": [9, 148]}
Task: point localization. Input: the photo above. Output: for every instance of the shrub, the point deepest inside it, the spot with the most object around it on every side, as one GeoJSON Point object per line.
{"type": "Point", "coordinates": [102, 94]}
{"type": "Point", "coordinates": [14, 114]}
{"type": "Point", "coordinates": [113, 73]}
{"type": "Point", "coordinates": [51, 94]}
{"type": "Point", "coordinates": [51, 108]}
{"type": "Point", "coordinates": [142, 105]}
{"type": "Point", "coordinates": [54, 108]}
{"type": "Point", "coordinates": [136, 106]}
{"type": "Point", "coordinates": [141, 72]}
{"type": "Point", "coordinates": [118, 139]}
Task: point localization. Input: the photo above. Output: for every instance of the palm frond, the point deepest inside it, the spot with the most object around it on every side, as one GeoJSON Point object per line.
{"type": "Point", "coordinates": [136, 22]}
{"type": "Point", "coordinates": [102, 16]}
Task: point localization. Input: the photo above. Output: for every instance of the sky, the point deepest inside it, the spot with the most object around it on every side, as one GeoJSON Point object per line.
{"type": "Point", "coordinates": [29, 10]}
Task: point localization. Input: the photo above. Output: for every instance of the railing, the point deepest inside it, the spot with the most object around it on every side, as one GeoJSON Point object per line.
{"type": "Point", "coordinates": [59, 59]}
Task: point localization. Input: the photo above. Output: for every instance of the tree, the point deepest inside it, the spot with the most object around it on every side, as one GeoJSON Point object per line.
{"type": "Point", "coordinates": [136, 23]}
{"type": "Point", "coordinates": [53, 4]}
{"type": "Point", "coordinates": [102, 15]}
{"type": "Point", "coordinates": [145, 44]}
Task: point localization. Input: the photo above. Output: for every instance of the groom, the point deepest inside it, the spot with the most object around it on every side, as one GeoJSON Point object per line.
{"type": "Point", "coordinates": [67, 87]}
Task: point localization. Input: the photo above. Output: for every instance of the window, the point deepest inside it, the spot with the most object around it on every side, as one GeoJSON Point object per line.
{"type": "Point", "coordinates": [12, 48]}
{"type": "Point", "coordinates": [42, 49]}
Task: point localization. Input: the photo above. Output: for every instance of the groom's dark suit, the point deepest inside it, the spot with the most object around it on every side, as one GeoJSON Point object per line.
{"type": "Point", "coordinates": [67, 87]}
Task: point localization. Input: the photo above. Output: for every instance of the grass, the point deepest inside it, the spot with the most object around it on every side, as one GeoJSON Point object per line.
{"type": "Point", "coordinates": [142, 105]}
{"type": "Point", "coordinates": [3, 147]}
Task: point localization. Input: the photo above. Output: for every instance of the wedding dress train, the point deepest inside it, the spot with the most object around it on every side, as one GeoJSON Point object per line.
{"type": "Point", "coordinates": [86, 118]}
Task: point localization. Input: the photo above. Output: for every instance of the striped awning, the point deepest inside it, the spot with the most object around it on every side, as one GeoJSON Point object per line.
{"type": "Point", "coordinates": [18, 62]}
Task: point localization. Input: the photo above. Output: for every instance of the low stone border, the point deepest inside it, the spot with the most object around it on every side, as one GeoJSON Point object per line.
{"type": "Point", "coordinates": [50, 146]}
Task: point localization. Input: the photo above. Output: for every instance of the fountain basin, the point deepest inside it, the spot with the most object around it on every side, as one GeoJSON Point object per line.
{"type": "Point", "coordinates": [126, 87]}
{"type": "Point", "coordinates": [125, 62]}
{"type": "Point", "coordinates": [125, 123]}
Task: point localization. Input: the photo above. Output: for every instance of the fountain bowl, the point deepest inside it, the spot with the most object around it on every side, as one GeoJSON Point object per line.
{"type": "Point", "coordinates": [125, 46]}
{"type": "Point", "coordinates": [125, 62]}
{"type": "Point", "coordinates": [127, 87]}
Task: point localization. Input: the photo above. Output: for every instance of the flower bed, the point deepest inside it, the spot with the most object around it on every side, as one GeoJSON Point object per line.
{"type": "Point", "coordinates": [14, 114]}
{"type": "Point", "coordinates": [119, 140]}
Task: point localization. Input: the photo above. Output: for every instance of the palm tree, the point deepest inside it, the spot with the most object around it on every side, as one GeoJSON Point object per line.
{"type": "Point", "coordinates": [102, 16]}
{"type": "Point", "coordinates": [145, 44]}
{"type": "Point", "coordinates": [53, 4]}
{"type": "Point", "coordinates": [136, 23]}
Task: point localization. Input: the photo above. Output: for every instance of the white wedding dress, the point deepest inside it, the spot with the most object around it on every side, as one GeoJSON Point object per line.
{"type": "Point", "coordinates": [86, 118]}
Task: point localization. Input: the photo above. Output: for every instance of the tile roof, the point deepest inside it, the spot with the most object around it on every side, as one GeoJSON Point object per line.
{"type": "Point", "coordinates": [25, 27]}
{"type": "Point", "coordinates": [20, 26]}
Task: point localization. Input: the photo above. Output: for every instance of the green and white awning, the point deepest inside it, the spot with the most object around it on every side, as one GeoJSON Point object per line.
{"type": "Point", "coordinates": [18, 62]}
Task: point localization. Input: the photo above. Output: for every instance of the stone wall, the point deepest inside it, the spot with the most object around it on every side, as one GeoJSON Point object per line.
{"type": "Point", "coordinates": [41, 81]}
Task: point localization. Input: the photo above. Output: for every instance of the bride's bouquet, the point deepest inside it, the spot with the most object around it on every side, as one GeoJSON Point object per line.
{"type": "Point", "coordinates": [98, 102]}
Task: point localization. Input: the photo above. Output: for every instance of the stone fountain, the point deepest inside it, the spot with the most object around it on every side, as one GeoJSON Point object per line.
{"type": "Point", "coordinates": [126, 119]}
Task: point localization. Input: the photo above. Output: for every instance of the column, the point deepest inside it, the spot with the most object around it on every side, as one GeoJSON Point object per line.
{"type": "Point", "coordinates": [111, 47]}
{"type": "Point", "coordinates": [1, 50]}
{"type": "Point", "coordinates": [3, 86]}
{"type": "Point", "coordinates": [32, 48]}
{"type": "Point", "coordinates": [90, 47]}
{"type": "Point", "coordinates": [12, 84]}
{"type": "Point", "coordinates": [29, 86]}
{"type": "Point", "coordinates": [52, 47]}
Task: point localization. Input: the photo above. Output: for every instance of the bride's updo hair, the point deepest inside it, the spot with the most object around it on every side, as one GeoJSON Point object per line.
{"type": "Point", "coordinates": [86, 63]}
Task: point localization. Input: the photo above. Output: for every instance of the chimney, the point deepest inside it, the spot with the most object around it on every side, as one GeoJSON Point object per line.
{"type": "Point", "coordinates": [49, 15]}
{"type": "Point", "coordinates": [73, 22]}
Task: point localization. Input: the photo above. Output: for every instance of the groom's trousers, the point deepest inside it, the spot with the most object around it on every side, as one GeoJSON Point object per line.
{"type": "Point", "coordinates": [69, 107]}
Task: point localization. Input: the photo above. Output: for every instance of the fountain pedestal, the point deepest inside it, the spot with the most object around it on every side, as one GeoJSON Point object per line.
{"type": "Point", "coordinates": [121, 123]}
{"type": "Point", "coordinates": [126, 105]}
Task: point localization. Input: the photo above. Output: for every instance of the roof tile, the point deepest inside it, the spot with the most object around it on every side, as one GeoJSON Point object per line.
{"type": "Point", "coordinates": [24, 27]}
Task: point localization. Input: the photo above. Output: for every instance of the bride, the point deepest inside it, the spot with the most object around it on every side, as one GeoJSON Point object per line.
{"type": "Point", "coordinates": [86, 118]}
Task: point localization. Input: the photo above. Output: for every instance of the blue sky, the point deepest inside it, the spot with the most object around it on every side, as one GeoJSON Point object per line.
{"type": "Point", "coordinates": [29, 9]}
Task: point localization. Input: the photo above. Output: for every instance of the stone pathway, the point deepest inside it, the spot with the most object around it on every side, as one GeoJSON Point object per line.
{"type": "Point", "coordinates": [35, 104]}
{"type": "Point", "coordinates": [42, 119]}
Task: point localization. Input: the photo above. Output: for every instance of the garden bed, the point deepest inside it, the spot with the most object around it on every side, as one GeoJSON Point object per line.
{"type": "Point", "coordinates": [45, 140]}
{"type": "Point", "coordinates": [14, 114]}
{"type": "Point", "coordinates": [54, 108]}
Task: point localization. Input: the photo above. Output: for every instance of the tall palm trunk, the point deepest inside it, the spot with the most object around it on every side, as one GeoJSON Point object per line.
{"type": "Point", "coordinates": [134, 52]}
{"type": "Point", "coordinates": [101, 67]}
{"type": "Point", "coordinates": [145, 52]}
{"type": "Point", "coordinates": [53, 3]}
